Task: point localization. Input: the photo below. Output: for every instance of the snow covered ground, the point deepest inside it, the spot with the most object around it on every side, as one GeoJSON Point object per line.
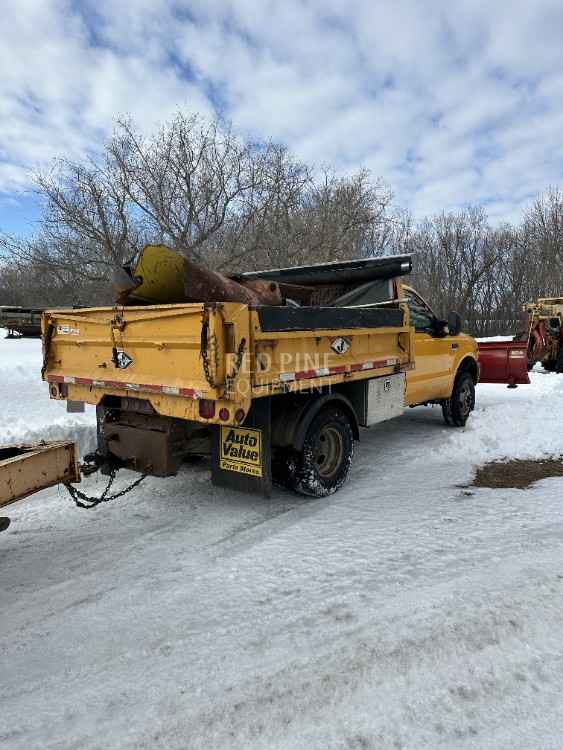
{"type": "Point", "coordinates": [406, 611]}
{"type": "Point", "coordinates": [27, 413]}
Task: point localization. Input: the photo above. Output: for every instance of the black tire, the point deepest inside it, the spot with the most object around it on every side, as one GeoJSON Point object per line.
{"type": "Point", "coordinates": [559, 361]}
{"type": "Point", "coordinates": [549, 365]}
{"type": "Point", "coordinates": [322, 466]}
{"type": "Point", "coordinates": [458, 407]}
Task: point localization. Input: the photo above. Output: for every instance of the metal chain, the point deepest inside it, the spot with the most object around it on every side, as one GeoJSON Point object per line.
{"type": "Point", "coordinates": [206, 364]}
{"type": "Point", "coordinates": [203, 350]}
{"type": "Point", "coordinates": [210, 342]}
{"type": "Point", "coordinates": [88, 501]}
{"type": "Point", "coordinates": [236, 369]}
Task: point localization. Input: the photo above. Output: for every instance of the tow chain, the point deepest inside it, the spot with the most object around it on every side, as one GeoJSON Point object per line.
{"type": "Point", "coordinates": [229, 378]}
{"type": "Point", "coordinates": [88, 501]}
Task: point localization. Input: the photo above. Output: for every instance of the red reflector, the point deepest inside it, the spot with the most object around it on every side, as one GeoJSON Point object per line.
{"type": "Point", "coordinates": [224, 414]}
{"type": "Point", "coordinates": [206, 408]}
{"type": "Point", "coordinates": [239, 415]}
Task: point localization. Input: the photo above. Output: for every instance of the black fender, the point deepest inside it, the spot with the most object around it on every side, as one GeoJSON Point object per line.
{"type": "Point", "coordinates": [292, 415]}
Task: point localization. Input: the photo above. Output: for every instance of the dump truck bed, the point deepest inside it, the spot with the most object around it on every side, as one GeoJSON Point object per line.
{"type": "Point", "coordinates": [180, 357]}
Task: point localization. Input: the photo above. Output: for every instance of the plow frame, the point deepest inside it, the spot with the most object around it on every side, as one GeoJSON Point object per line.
{"type": "Point", "coordinates": [25, 469]}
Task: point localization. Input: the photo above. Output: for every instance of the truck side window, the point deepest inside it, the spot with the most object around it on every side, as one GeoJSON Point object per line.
{"type": "Point", "coordinates": [421, 316]}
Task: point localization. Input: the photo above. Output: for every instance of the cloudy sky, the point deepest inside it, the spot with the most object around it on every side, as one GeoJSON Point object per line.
{"type": "Point", "coordinates": [449, 102]}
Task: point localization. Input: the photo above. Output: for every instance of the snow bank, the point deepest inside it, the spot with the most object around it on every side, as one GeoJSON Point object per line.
{"type": "Point", "coordinates": [519, 423]}
{"type": "Point", "coordinates": [28, 414]}
{"type": "Point", "coordinates": [495, 338]}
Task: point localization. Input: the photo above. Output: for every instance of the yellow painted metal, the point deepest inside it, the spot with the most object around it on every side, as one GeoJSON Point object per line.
{"type": "Point", "coordinates": [164, 343]}
{"type": "Point", "coordinates": [545, 307]}
{"type": "Point", "coordinates": [437, 359]}
{"type": "Point", "coordinates": [160, 271]}
{"type": "Point", "coordinates": [25, 469]}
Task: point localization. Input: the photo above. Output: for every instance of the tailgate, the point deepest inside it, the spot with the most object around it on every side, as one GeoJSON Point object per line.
{"type": "Point", "coordinates": [151, 349]}
{"type": "Point", "coordinates": [503, 362]}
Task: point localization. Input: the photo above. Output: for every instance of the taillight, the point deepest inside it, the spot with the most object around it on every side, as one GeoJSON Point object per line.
{"type": "Point", "coordinates": [224, 414]}
{"type": "Point", "coordinates": [206, 408]}
{"type": "Point", "coordinates": [239, 415]}
{"type": "Point", "coordinates": [59, 390]}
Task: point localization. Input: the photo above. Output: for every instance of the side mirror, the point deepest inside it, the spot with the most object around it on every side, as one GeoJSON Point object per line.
{"type": "Point", "coordinates": [454, 323]}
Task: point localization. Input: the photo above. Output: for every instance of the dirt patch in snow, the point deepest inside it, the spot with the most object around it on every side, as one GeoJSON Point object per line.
{"type": "Point", "coordinates": [518, 473]}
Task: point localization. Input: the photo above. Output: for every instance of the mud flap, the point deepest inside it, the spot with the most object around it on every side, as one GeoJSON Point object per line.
{"type": "Point", "coordinates": [241, 457]}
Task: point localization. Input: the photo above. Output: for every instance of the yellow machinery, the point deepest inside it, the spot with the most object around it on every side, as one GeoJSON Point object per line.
{"type": "Point", "coordinates": [271, 390]}
{"type": "Point", "coordinates": [262, 388]}
{"type": "Point", "coordinates": [545, 333]}
{"type": "Point", "coordinates": [25, 469]}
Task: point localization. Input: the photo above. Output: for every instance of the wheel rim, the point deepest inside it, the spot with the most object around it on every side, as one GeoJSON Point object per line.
{"type": "Point", "coordinates": [328, 451]}
{"type": "Point", "coordinates": [465, 399]}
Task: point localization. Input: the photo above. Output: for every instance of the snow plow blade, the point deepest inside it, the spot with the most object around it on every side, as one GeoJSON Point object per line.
{"type": "Point", "coordinates": [25, 469]}
{"type": "Point", "coordinates": [503, 362]}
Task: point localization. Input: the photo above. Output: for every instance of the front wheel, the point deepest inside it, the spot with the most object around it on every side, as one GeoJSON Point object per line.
{"type": "Point", "coordinates": [322, 466]}
{"type": "Point", "coordinates": [458, 407]}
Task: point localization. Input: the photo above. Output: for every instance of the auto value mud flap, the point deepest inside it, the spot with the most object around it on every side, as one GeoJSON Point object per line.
{"type": "Point", "coordinates": [241, 457]}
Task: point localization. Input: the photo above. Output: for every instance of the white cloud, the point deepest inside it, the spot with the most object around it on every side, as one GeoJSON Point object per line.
{"type": "Point", "coordinates": [451, 103]}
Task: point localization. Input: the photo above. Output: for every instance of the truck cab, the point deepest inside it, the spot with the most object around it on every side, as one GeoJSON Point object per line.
{"type": "Point", "coordinates": [443, 357]}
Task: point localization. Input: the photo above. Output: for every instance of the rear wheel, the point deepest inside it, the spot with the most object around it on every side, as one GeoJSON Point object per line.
{"type": "Point", "coordinates": [323, 465]}
{"type": "Point", "coordinates": [458, 407]}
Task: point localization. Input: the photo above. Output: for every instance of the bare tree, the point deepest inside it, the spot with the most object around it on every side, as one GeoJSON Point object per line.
{"type": "Point", "coordinates": [236, 205]}
{"type": "Point", "coordinates": [190, 181]}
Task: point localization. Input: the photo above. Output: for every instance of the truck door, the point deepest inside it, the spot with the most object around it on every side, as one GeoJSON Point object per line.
{"type": "Point", "coordinates": [433, 354]}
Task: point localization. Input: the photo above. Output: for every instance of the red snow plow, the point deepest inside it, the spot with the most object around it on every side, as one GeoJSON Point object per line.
{"type": "Point", "coordinates": [503, 362]}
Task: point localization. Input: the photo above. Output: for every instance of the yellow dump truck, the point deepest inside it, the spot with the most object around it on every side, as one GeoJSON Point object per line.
{"type": "Point", "coordinates": [269, 391]}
